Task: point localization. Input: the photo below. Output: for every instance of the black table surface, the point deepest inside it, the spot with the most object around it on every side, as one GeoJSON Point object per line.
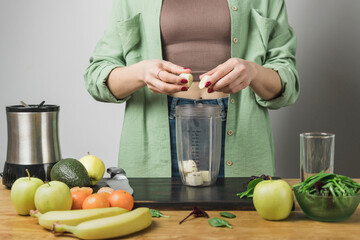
{"type": "Point", "coordinates": [171, 194]}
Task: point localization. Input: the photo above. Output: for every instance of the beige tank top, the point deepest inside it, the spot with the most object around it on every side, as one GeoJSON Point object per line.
{"type": "Point", "coordinates": [196, 33]}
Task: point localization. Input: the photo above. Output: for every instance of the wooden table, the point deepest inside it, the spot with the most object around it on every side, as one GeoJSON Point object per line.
{"type": "Point", "coordinates": [247, 225]}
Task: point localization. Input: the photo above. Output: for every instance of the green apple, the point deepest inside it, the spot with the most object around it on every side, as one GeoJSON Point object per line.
{"type": "Point", "coordinates": [23, 192]}
{"type": "Point", "coordinates": [273, 199]}
{"type": "Point", "coordinates": [53, 196]}
{"type": "Point", "coordinates": [95, 168]}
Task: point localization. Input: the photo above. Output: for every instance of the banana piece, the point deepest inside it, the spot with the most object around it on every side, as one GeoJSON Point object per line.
{"type": "Point", "coordinates": [188, 77]}
{"type": "Point", "coordinates": [206, 177]}
{"type": "Point", "coordinates": [194, 179]}
{"type": "Point", "coordinates": [188, 166]}
{"type": "Point", "coordinates": [109, 227]}
{"type": "Point", "coordinates": [203, 81]}
{"type": "Point", "coordinates": [75, 217]}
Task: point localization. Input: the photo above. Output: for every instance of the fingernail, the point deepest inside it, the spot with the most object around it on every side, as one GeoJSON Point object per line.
{"type": "Point", "coordinates": [187, 68]}
{"type": "Point", "coordinates": [184, 81]}
{"type": "Point", "coordinates": [207, 84]}
{"type": "Point", "coordinates": [184, 89]}
{"type": "Point", "coordinates": [210, 90]}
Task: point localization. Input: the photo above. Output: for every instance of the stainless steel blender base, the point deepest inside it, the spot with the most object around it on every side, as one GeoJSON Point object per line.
{"type": "Point", "coordinates": [15, 171]}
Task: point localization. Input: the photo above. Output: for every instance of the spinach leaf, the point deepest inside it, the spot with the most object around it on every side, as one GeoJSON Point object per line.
{"type": "Point", "coordinates": [218, 222]}
{"type": "Point", "coordinates": [227, 215]}
{"type": "Point", "coordinates": [250, 188]}
{"type": "Point", "coordinates": [197, 212]}
{"type": "Point", "coordinates": [157, 214]}
{"type": "Point", "coordinates": [329, 184]}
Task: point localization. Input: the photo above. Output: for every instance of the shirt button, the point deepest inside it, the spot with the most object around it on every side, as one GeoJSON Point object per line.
{"type": "Point", "coordinates": [230, 132]}
{"type": "Point", "coordinates": [235, 40]}
{"type": "Point", "coordinates": [234, 8]}
{"type": "Point", "coordinates": [232, 100]}
{"type": "Point", "coordinates": [229, 163]}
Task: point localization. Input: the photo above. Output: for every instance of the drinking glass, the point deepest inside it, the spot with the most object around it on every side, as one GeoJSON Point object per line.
{"type": "Point", "coordinates": [316, 153]}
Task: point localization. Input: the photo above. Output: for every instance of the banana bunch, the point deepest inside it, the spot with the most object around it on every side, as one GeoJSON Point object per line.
{"type": "Point", "coordinates": [109, 227]}
{"type": "Point", "coordinates": [75, 217]}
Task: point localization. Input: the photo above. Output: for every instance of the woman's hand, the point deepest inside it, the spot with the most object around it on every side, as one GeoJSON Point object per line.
{"type": "Point", "coordinates": [232, 76]}
{"type": "Point", "coordinates": [236, 74]}
{"type": "Point", "coordinates": [163, 77]}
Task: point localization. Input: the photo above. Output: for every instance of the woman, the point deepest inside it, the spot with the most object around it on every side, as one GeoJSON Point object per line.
{"type": "Point", "coordinates": [246, 47]}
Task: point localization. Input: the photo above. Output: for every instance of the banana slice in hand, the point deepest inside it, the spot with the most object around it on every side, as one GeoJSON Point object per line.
{"type": "Point", "coordinates": [203, 81]}
{"type": "Point", "coordinates": [188, 77]}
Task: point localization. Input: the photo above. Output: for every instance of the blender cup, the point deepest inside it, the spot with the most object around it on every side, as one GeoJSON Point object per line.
{"type": "Point", "coordinates": [198, 143]}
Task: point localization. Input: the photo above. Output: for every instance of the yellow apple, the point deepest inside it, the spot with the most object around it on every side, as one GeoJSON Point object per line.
{"type": "Point", "coordinates": [53, 196]}
{"type": "Point", "coordinates": [95, 168]}
{"type": "Point", "coordinates": [23, 192]}
{"type": "Point", "coordinates": [273, 199]}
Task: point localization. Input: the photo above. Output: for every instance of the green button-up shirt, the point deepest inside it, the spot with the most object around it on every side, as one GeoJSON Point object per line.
{"type": "Point", "coordinates": [259, 32]}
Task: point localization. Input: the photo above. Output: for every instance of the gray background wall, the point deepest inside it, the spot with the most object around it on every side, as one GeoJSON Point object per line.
{"type": "Point", "coordinates": [45, 46]}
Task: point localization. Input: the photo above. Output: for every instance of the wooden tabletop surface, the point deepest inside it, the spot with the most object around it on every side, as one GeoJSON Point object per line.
{"type": "Point", "coordinates": [246, 225]}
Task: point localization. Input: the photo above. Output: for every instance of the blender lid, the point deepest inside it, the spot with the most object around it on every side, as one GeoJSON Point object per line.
{"type": "Point", "coordinates": [33, 108]}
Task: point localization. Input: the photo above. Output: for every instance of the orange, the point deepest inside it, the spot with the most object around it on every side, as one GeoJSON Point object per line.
{"type": "Point", "coordinates": [106, 194]}
{"type": "Point", "coordinates": [105, 191]}
{"type": "Point", "coordinates": [88, 190]}
{"type": "Point", "coordinates": [78, 198]}
{"type": "Point", "coordinates": [122, 199]}
{"type": "Point", "coordinates": [95, 201]}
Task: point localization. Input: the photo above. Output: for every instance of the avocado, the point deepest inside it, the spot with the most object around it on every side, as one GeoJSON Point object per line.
{"type": "Point", "coordinates": [71, 172]}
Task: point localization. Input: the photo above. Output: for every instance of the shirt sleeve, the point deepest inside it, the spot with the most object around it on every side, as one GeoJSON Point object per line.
{"type": "Point", "coordinates": [280, 57]}
{"type": "Point", "coordinates": [108, 54]}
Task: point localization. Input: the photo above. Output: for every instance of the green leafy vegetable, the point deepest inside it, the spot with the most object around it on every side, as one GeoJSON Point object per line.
{"type": "Point", "coordinates": [157, 214]}
{"type": "Point", "coordinates": [227, 215]}
{"type": "Point", "coordinates": [218, 222]}
{"type": "Point", "coordinates": [250, 188]}
{"type": "Point", "coordinates": [329, 184]}
{"type": "Point", "coordinates": [197, 212]}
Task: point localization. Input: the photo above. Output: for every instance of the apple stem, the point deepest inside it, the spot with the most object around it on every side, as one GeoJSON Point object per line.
{"type": "Point", "coordinates": [88, 153]}
{"type": "Point", "coordinates": [47, 183]}
{"type": "Point", "coordinates": [28, 174]}
{"type": "Point", "coordinates": [270, 177]}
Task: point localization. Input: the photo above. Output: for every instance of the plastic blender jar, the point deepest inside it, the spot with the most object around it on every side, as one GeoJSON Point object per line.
{"type": "Point", "coordinates": [198, 143]}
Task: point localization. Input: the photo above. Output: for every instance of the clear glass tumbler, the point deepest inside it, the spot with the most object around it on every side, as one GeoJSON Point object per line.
{"type": "Point", "coordinates": [316, 153]}
{"type": "Point", "coordinates": [198, 143]}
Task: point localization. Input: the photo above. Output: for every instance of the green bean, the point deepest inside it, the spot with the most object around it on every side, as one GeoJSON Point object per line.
{"type": "Point", "coordinates": [336, 185]}
{"type": "Point", "coordinates": [320, 177]}
{"type": "Point", "coordinates": [332, 191]}
{"type": "Point", "coordinates": [339, 187]}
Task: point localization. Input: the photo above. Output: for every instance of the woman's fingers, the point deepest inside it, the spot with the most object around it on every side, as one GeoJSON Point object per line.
{"type": "Point", "coordinates": [163, 77]}
{"type": "Point", "coordinates": [210, 72]}
{"type": "Point", "coordinates": [158, 86]}
{"type": "Point", "coordinates": [170, 78]}
{"type": "Point", "coordinates": [216, 75]}
{"type": "Point", "coordinates": [226, 79]}
{"type": "Point", "coordinates": [175, 69]}
{"type": "Point", "coordinates": [231, 76]}
{"type": "Point", "coordinates": [233, 82]}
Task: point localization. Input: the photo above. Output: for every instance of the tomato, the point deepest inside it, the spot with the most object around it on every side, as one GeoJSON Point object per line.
{"type": "Point", "coordinates": [122, 199]}
{"type": "Point", "coordinates": [95, 201]}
